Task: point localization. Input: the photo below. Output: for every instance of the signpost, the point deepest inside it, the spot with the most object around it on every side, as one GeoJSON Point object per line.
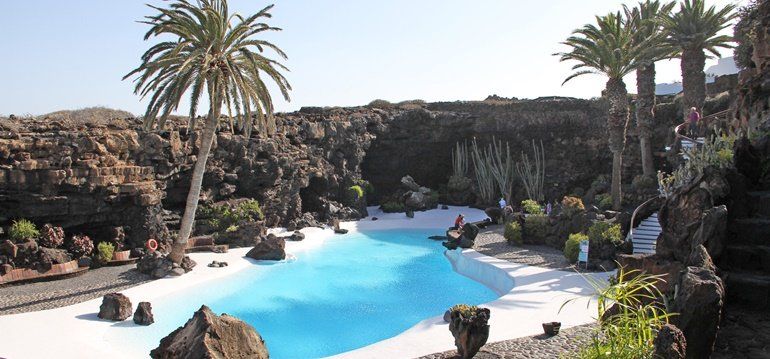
{"type": "Point", "coordinates": [583, 254]}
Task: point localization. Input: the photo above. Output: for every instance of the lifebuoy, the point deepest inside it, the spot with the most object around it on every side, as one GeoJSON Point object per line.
{"type": "Point", "coordinates": [152, 245]}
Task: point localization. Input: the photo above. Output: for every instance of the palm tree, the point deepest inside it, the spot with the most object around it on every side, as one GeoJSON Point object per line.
{"type": "Point", "coordinates": [644, 19]}
{"type": "Point", "coordinates": [608, 48]}
{"type": "Point", "coordinates": [693, 30]}
{"type": "Point", "coordinates": [216, 53]}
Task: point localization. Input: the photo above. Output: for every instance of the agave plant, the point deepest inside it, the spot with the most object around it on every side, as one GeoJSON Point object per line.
{"type": "Point", "coordinates": [214, 53]}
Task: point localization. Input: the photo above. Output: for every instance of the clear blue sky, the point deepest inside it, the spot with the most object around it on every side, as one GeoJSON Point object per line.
{"type": "Point", "coordinates": [72, 54]}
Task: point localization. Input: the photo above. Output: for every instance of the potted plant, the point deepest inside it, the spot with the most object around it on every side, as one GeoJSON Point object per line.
{"type": "Point", "coordinates": [551, 328]}
{"type": "Point", "coordinates": [468, 325]}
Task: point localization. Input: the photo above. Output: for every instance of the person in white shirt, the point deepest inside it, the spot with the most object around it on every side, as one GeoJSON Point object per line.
{"type": "Point", "coordinates": [502, 202]}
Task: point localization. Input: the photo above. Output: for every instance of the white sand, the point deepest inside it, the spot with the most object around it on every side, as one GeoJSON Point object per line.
{"type": "Point", "coordinates": [530, 296]}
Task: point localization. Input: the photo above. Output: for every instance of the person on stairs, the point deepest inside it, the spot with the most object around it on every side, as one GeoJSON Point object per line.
{"type": "Point", "coordinates": [694, 122]}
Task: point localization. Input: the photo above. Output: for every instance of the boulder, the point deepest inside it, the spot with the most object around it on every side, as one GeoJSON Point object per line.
{"type": "Point", "coordinates": [297, 236]}
{"type": "Point", "coordinates": [115, 307]}
{"type": "Point", "coordinates": [143, 314]}
{"type": "Point", "coordinates": [270, 248]}
{"type": "Point", "coordinates": [470, 231]}
{"type": "Point", "coordinates": [49, 256]}
{"type": "Point", "coordinates": [409, 213]}
{"type": "Point", "coordinates": [207, 335]}
{"type": "Point", "coordinates": [712, 232]}
{"type": "Point", "coordinates": [217, 264]}
{"type": "Point", "coordinates": [653, 265]}
{"type": "Point", "coordinates": [341, 231]}
{"type": "Point", "coordinates": [8, 248]}
{"type": "Point", "coordinates": [158, 265]}
{"type": "Point", "coordinates": [471, 332]}
{"type": "Point", "coordinates": [416, 200]}
{"type": "Point", "coordinates": [699, 304]}
{"type": "Point", "coordinates": [247, 234]}
{"type": "Point", "coordinates": [187, 264]}
{"type": "Point", "coordinates": [495, 214]}
{"type": "Point", "coordinates": [409, 183]}
{"type": "Point", "coordinates": [670, 343]}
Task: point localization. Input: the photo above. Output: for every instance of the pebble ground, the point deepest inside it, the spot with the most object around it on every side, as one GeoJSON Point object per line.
{"type": "Point", "coordinates": [54, 294]}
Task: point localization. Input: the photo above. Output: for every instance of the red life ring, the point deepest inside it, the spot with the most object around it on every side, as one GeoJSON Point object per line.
{"type": "Point", "coordinates": [152, 244]}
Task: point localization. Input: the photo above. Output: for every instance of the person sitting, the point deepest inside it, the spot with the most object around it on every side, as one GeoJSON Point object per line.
{"type": "Point", "coordinates": [459, 222]}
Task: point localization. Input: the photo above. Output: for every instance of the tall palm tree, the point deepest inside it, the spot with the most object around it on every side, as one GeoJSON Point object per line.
{"type": "Point", "coordinates": [216, 53]}
{"type": "Point", "coordinates": [644, 19]}
{"type": "Point", "coordinates": [608, 48]}
{"type": "Point", "coordinates": [693, 30]}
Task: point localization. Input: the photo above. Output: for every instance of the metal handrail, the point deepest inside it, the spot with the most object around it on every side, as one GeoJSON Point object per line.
{"type": "Point", "coordinates": [646, 203]}
{"type": "Point", "coordinates": [678, 129]}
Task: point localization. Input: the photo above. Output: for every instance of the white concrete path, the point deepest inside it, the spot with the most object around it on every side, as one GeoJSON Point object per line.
{"type": "Point", "coordinates": [530, 296]}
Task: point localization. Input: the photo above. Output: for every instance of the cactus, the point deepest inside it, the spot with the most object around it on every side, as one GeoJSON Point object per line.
{"type": "Point", "coordinates": [533, 174]}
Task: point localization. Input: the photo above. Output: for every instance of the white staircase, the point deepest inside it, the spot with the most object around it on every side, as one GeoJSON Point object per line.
{"type": "Point", "coordinates": [645, 236]}
{"type": "Point", "coordinates": [688, 145]}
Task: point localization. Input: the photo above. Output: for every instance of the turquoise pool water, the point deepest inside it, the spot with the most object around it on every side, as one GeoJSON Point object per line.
{"type": "Point", "coordinates": [352, 291]}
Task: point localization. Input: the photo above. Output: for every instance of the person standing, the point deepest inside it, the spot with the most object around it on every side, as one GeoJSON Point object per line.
{"type": "Point", "coordinates": [502, 203]}
{"type": "Point", "coordinates": [694, 122]}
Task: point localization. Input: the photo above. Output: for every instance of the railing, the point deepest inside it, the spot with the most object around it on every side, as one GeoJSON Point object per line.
{"type": "Point", "coordinates": [678, 130]}
{"type": "Point", "coordinates": [644, 204]}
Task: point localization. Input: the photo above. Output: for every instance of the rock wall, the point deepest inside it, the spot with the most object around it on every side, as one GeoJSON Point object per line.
{"type": "Point", "coordinates": [91, 177]}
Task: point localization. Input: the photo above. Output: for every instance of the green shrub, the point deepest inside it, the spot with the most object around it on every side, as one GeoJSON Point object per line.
{"type": "Point", "coordinates": [604, 232]}
{"type": "Point", "coordinates": [536, 228]}
{"type": "Point", "coordinates": [513, 233]}
{"type": "Point", "coordinates": [603, 201]}
{"type": "Point", "coordinates": [531, 206]}
{"type": "Point", "coordinates": [572, 246]}
{"type": "Point", "coordinates": [572, 205]}
{"type": "Point", "coordinates": [221, 217]}
{"type": "Point", "coordinates": [105, 250]}
{"type": "Point", "coordinates": [392, 207]}
{"type": "Point", "coordinates": [464, 309]}
{"type": "Point", "coordinates": [368, 187]}
{"type": "Point", "coordinates": [356, 191]}
{"type": "Point", "coordinates": [628, 331]}
{"type": "Point", "coordinates": [23, 229]}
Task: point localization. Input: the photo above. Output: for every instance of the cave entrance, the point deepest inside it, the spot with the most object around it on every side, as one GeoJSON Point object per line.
{"type": "Point", "coordinates": [312, 194]}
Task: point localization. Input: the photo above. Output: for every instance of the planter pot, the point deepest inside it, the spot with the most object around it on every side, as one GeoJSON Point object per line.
{"type": "Point", "coordinates": [121, 256]}
{"type": "Point", "coordinates": [551, 328]}
{"type": "Point", "coordinates": [471, 332]}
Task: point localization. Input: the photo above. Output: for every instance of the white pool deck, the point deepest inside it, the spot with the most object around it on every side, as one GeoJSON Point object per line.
{"type": "Point", "coordinates": [529, 296]}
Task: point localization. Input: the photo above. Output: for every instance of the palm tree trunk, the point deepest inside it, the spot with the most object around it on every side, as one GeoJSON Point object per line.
{"type": "Point", "coordinates": [617, 122]}
{"type": "Point", "coordinates": [645, 114]}
{"type": "Point", "coordinates": [178, 248]}
{"type": "Point", "coordinates": [693, 79]}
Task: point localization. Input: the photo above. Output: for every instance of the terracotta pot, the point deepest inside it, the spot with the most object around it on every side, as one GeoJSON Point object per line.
{"type": "Point", "coordinates": [551, 328]}
{"type": "Point", "coordinates": [121, 256]}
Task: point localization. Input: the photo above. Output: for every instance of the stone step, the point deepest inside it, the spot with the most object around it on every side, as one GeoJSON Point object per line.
{"type": "Point", "coordinates": [749, 289]}
{"type": "Point", "coordinates": [638, 236]}
{"type": "Point", "coordinates": [647, 232]}
{"type": "Point", "coordinates": [760, 203]}
{"type": "Point", "coordinates": [750, 231]}
{"type": "Point", "coordinates": [746, 257]}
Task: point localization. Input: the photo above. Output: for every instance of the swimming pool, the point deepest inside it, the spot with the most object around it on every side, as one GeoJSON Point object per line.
{"type": "Point", "coordinates": [353, 291]}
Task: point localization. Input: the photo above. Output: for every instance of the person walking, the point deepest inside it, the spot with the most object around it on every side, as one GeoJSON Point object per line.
{"type": "Point", "coordinates": [694, 122]}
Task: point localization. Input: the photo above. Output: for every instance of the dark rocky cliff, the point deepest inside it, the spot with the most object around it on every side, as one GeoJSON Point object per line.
{"type": "Point", "coordinates": [92, 177]}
